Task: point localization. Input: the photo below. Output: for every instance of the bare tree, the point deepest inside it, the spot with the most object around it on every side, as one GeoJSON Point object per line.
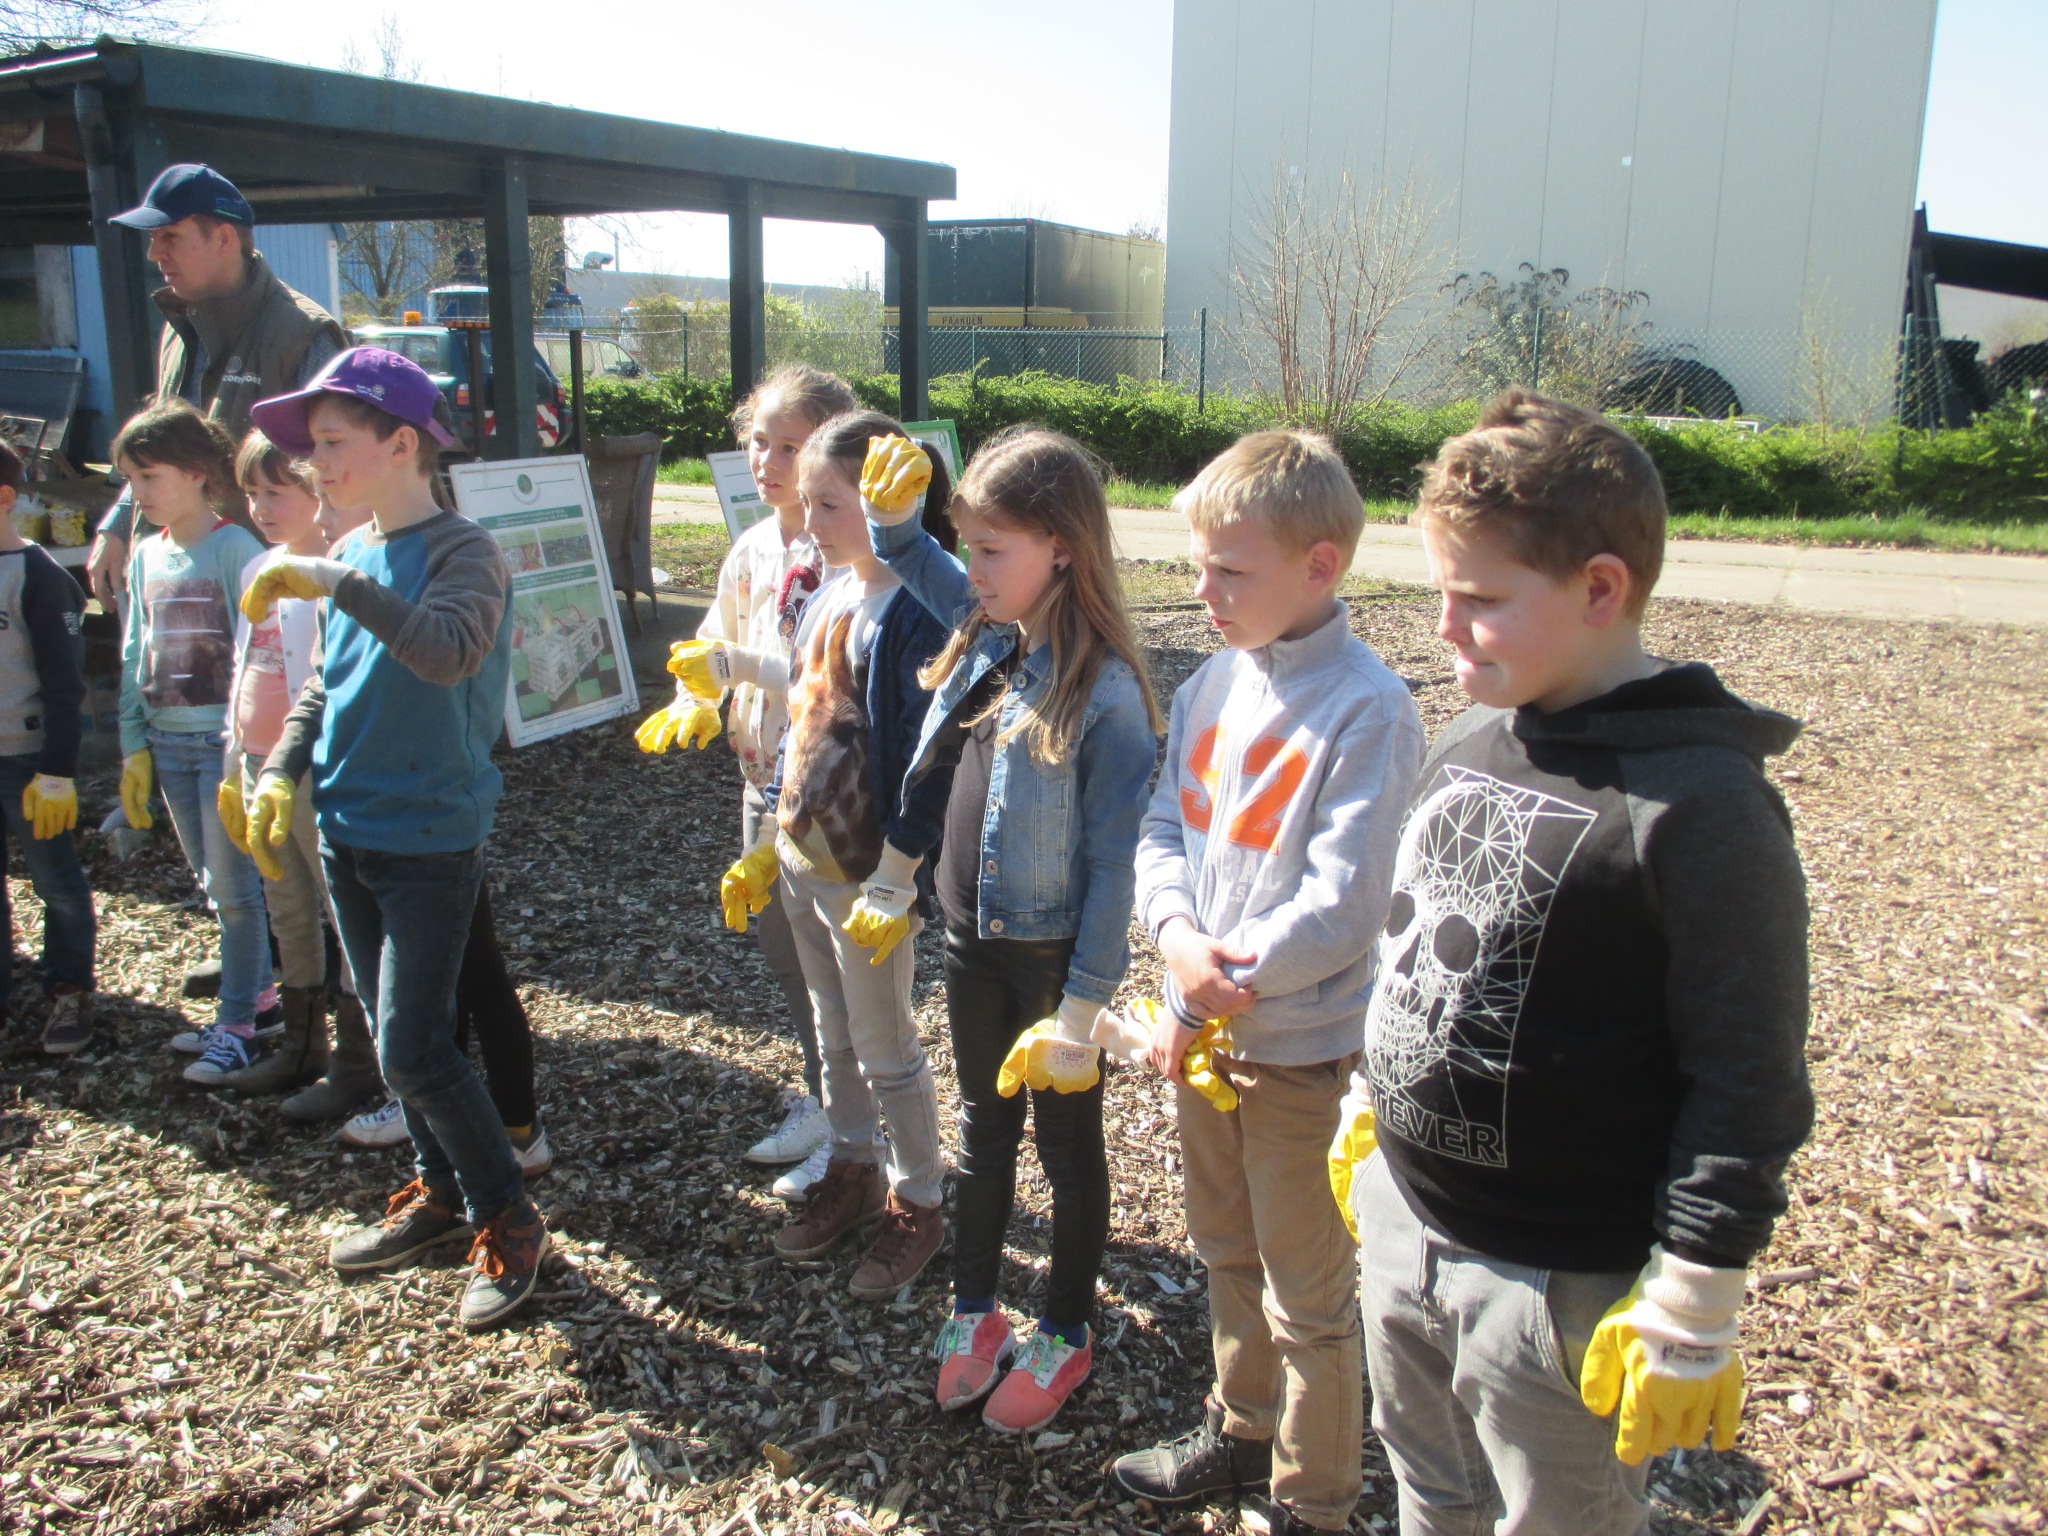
{"type": "Point", "coordinates": [1338, 295]}
{"type": "Point", "coordinates": [26, 23]}
{"type": "Point", "coordinates": [1535, 331]}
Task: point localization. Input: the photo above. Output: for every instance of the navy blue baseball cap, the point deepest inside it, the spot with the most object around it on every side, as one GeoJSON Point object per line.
{"type": "Point", "coordinates": [184, 190]}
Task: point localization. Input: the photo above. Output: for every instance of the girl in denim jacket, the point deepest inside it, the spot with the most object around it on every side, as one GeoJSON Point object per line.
{"type": "Point", "coordinates": [1045, 724]}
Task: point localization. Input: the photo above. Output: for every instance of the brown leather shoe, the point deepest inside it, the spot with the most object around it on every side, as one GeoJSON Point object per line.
{"type": "Point", "coordinates": [849, 1195]}
{"type": "Point", "coordinates": [905, 1239]}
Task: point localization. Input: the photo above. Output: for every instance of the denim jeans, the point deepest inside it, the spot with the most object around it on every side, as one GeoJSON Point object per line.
{"type": "Point", "coordinates": [405, 920]}
{"type": "Point", "coordinates": [188, 768]}
{"type": "Point", "coordinates": [1475, 1383]}
{"type": "Point", "coordinates": [59, 879]}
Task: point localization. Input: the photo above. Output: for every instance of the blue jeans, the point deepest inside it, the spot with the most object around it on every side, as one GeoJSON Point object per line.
{"type": "Point", "coordinates": [59, 879]}
{"type": "Point", "coordinates": [188, 769]}
{"type": "Point", "coordinates": [404, 920]}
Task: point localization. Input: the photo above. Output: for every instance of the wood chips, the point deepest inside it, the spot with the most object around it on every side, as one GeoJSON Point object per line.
{"type": "Point", "coordinates": [176, 1357]}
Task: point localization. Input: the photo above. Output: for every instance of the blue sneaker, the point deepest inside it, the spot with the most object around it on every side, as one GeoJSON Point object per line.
{"type": "Point", "coordinates": [224, 1053]}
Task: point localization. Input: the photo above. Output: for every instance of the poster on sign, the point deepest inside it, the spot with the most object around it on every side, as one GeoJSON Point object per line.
{"type": "Point", "coordinates": [569, 666]}
{"type": "Point", "coordinates": [738, 497]}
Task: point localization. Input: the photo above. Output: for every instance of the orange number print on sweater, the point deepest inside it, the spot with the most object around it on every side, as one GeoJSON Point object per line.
{"type": "Point", "coordinates": [1276, 769]}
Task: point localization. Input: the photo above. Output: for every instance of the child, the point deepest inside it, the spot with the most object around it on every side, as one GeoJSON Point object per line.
{"type": "Point", "coordinates": [771, 570]}
{"type": "Point", "coordinates": [42, 682]}
{"type": "Point", "coordinates": [1586, 1047]}
{"type": "Point", "coordinates": [1263, 871]}
{"type": "Point", "coordinates": [855, 705]}
{"type": "Point", "coordinates": [1045, 715]}
{"type": "Point", "coordinates": [397, 726]}
{"type": "Point", "coordinates": [273, 659]}
{"type": "Point", "coordinates": [177, 668]}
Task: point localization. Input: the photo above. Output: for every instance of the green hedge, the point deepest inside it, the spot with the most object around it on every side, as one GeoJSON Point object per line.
{"type": "Point", "coordinates": [1994, 470]}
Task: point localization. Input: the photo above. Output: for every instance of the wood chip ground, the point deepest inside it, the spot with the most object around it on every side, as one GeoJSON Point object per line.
{"type": "Point", "coordinates": [175, 1357]}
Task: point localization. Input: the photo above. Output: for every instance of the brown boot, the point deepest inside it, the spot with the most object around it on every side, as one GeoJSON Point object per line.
{"type": "Point", "coordinates": [849, 1195]}
{"type": "Point", "coordinates": [300, 1054]}
{"type": "Point", "coordinates": [352, 1074]}
{"type": "Point", "coordinates": [905, 1239]}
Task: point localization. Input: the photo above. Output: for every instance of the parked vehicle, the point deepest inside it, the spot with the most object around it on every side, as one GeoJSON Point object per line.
{"type": "Point", "coordinates": [444, 354]}
{"type": "Point", "coordinates": [601, 355]}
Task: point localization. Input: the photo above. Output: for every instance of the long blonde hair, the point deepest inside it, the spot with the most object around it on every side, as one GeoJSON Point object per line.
{"type": "Point", "coordinates": [1030, 480]}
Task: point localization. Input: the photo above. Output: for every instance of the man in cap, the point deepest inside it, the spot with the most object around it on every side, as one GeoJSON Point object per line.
{"type": "Point", "coordinates": [236, 333]}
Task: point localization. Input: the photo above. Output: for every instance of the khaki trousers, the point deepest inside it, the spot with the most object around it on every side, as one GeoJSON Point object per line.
{"type": "Point", "coordinates": [1283, 1277]}
{"type": "Point", "coordinates": [296, 902]}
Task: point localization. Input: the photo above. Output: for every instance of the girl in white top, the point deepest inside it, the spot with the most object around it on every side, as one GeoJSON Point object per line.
{"type": "Point", "coordinates": [772, 568]}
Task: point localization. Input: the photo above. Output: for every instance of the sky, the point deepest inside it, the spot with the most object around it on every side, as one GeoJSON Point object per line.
{"type": "Point", "coordinates": [1067, 120]}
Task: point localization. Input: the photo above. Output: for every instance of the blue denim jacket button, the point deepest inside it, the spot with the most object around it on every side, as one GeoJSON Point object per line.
{"type": "Point", "coordinates": [995, 925]}
{"type": "Point", "coordinates": [991, 866]}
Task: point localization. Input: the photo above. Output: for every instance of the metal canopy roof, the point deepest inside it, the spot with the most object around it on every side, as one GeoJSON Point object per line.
{"type": "Point", "coordinates": [83, 131]}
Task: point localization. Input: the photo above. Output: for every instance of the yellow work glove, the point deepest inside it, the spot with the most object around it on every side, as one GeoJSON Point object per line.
{"type": "Point", "coordinates": [50, 805]}
{"type": "Point", "coordinates": [137, 769]}
{"type": "Point", "coordinates": [1664, 1356]}
{"type": "Point", "coordinates": [709, 667]}
{"type": "Point", "coordinates": [893, 479]}
{"type": "Point", "coordinates": [1357, 1138]}
{"type": "Point", "coordinates": [1199, 1069]}
{"type": "Point", "coordinates": [1196, 1068]}
{"type": "Point", "coordinates": [228, 801]}
{"type": "Point", "coordinates": [307, 576]}
{"type": "Point", "coordinates": [881, 918]}
{"type": "Point", "coordinates": [1054, 1054]}
{"type": "Point", "coordinates": [270, 822]}
{"type": "Point", "coordinates": [683, 719]}
{"type": "Point", "coordinates": [749, 885]}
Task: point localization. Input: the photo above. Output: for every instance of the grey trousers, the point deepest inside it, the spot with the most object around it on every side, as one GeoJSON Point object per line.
{"type": "Point", "coordinates": [1474, 1364]}
{"type": "Point", "coordinates": [770, 928]}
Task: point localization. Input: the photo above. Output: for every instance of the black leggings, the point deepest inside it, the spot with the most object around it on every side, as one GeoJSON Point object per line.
{"type": "Point", "coordinates": [995, 990]}
{"type": "Point", "coordinates": [486, 1001]}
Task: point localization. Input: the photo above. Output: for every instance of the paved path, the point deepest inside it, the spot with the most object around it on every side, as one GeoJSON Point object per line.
{"type": "Point", "coordinates": [1875, 583]}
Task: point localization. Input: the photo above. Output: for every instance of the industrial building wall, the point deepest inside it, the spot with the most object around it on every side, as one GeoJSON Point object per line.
{"type": "Point", "coordinates": [1749, 164]}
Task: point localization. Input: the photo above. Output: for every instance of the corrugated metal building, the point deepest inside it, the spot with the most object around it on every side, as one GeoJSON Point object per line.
{"type": "Point", "coordinates": [1748, 164]}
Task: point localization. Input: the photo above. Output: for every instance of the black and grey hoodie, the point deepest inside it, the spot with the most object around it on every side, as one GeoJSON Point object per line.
{"type": "Point", "coordinates": [1588, 1029]}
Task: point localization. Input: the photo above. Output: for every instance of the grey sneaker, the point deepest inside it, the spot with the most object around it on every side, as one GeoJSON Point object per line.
{"type": "Point", "coordinates": [533, 1155]}
{"type": "Point", "coordinates": [383, 1127]}
{"type": "Point", "coordinates": [1201, 1465]}
{"type": "Point", "coordinates": [226, 1053]}
{"type": "Point", "coordinates": [194, 1042]}
{"type": "Point", "coordinates": [507, 1252]}
{"type": "Point", "coordinates": [792, 1185]}
{"type": "Point", "coordinates": [804, 1129]}
{"type": "Point", "coordinates": [416, 1219]}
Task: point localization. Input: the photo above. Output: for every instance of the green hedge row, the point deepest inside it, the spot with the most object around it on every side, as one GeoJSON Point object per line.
{"type": "Point", "coordinates": [1994, 470]}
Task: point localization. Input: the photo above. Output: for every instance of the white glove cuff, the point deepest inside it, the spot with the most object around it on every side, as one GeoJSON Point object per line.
{"type": "Point", "coordinates": [1076, 1020]}
{"type": "Point", "coordinates": [895, 868]}
{"type": "Point", "coordinates": [735, 664]}
{"type": "Point", "coordinates": [1694, 1302]}
{"type": "Point", "coordinates": [890, 519]}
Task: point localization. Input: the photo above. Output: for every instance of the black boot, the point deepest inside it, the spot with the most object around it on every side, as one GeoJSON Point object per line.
{"type": "Point", "coordinates": [1200, 1465]}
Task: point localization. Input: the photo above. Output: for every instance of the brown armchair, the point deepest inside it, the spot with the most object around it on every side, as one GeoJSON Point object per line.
{"type": "Point", "coordinates": [622, 483]}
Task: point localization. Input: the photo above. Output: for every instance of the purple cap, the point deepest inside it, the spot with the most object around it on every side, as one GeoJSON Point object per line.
{"type": "Point", "coordinates": [370, 374]}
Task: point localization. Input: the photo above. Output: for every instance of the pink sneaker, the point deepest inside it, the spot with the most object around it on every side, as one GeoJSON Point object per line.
{"type": "Point", "coordinates": [1045, 1376]}
{"type": "Point", "coordinates": [972, 1350]}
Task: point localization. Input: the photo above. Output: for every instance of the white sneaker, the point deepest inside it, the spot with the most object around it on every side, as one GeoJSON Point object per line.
{"type": "Point", "coordinates": [804, 1129]}
{"type": "Point", "coordinates": [379, 1128]}
{"type": "Point", "coordinates": [791, 1185]}
{"type": "Point", "coordinates": [533, 1155]}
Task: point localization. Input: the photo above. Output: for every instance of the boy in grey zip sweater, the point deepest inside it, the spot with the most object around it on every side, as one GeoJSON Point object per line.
{"type": "Point", "coordinates": [1263, 869]}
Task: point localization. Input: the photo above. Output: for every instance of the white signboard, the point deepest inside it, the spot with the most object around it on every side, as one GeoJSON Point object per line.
{"type": "Point", "coordinates": [569, 663]}
{"type": "Point", "coordinates": [739, 498]}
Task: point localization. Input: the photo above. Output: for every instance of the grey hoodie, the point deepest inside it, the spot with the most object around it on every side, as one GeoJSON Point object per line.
{"type": "Point", "coordinates": [1589, 1026]}
{"type": "Point", "coordinates": [1272, 828]}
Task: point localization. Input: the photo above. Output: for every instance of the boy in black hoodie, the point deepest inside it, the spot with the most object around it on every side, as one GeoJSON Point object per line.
{"type": "Point", "coordinates": [1584, 1069]}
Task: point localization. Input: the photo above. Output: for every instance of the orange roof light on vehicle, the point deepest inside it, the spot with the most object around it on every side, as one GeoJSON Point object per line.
{"type": "Point", "coordinates": [412, 317]}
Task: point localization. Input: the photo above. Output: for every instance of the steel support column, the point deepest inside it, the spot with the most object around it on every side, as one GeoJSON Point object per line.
{"type": "Point", "coordinates": [508, 262]}
{"type": "Point", "coordinates": [119, 168]}
{"type": "Point", "coordinates": [746, 289]}
{"type": "Point", "coordinates": [906, 238]}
